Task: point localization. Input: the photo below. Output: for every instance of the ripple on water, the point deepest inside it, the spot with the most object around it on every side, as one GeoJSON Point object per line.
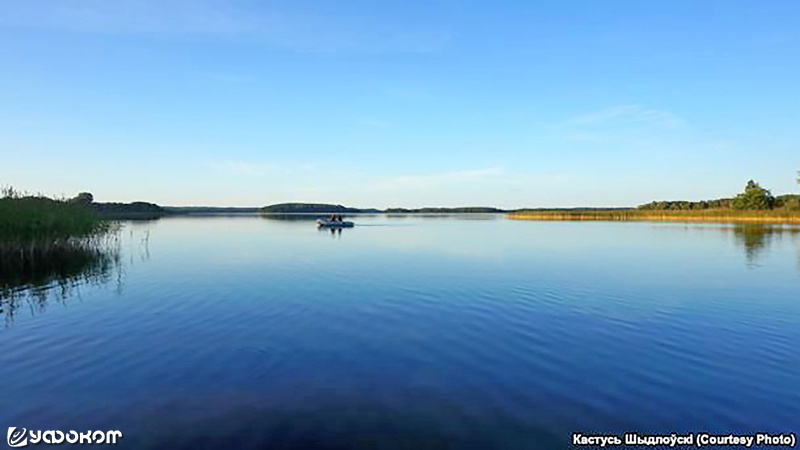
{"type": "Point", "coordinates": [512, 340]}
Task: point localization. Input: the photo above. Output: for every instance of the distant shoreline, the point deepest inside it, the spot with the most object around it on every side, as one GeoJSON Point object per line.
{"type": "Point", "coordinates": [629, 215]}
{"type": "Point", "coordinates": [754, 205]}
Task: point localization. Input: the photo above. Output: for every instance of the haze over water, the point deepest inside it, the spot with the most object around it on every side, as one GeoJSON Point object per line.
{"type": "Point", "coordinates": [433, 332]}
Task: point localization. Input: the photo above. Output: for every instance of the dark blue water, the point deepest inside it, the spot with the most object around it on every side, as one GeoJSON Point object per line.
{"type": "Point", "coordinates": [413, 332]}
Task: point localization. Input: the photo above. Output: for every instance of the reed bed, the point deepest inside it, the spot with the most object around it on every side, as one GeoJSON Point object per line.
{"type": "Point", "coordinates": [40, 219]}
{"type": "Point", "coordinates": [735, 216]}
{"type": "Point", "coordinates": [43, 238]}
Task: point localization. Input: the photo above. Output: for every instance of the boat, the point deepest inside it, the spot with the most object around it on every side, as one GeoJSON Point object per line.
{"type": "Point", "coordinates": [327, 223]}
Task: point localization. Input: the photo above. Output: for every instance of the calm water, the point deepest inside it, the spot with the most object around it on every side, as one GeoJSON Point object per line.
{"type": "Point", "coordinates": [412, 332]}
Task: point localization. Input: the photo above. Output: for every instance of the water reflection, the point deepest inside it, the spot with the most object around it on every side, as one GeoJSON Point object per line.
{"type": "Point", "coordinates": [758, 239]}
{"type": "Point", "coordinates": [291, 217]}
{"type": "Point", "coordinates": [56, 277]}
{"type": "Point", "coordinates": [59, 274]}
{"type": "Point", "coordinates": [336, 233]}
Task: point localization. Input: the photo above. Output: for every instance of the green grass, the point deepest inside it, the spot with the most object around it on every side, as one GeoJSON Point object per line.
{"type": "Point", "coordinates": [43, 239]}
{"type": "Point", "coordinates": [710, 215]}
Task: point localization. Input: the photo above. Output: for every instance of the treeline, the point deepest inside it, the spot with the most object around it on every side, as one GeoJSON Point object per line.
{"type": "Point", "coordinates": [303, 208]}
{"type": "Point", "coordinates": [178, 210]}
{"type": "Point", "coordinates": [753, 198]}
{"type": "Point", "coordinates": [681, 205]}
{"type": "Point", "coordinates": [459, 210]}
{"type": "Point", "coordinates": [708, 215]}
{"type": "Point", "coordinates": [320, 208]}
{"type": "Point", "coordinates": [134, 210]}
{"type": "Point", "coordinates": [118, 211]}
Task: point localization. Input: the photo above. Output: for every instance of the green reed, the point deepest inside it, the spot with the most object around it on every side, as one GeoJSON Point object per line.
{"type": "Point", "coordinates": [711, 215]}
{"type": "Point", "coordinates": [38, 233]}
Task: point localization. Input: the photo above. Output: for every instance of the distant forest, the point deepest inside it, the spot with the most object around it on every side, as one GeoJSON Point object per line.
{"type": "Point", "coordinates": [466, 209]}
{"type": "Point", "coordinates": [147, 210]}
{"type": "Point", "coordinates": [150, 210]}
{"type": "Point", "coordinates": [135, 210]}
{"type": "Point", "coordinates": [298, 208]}
{"type": "Point", "coordinates": [208, 210]}
{"type": "Point", "coordinates": [753, 198]}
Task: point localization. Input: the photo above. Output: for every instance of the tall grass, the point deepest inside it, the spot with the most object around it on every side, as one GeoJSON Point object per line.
{"type": "Point", "coordinates": [710, 215]}
{"type": "Point", "coordinates": [26, 219]}
{"type": "Point", "coordinates": [42, 238]}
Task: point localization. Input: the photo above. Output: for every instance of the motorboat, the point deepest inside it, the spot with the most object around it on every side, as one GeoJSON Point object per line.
{"type": "Point", "coordinates": [327, 223]}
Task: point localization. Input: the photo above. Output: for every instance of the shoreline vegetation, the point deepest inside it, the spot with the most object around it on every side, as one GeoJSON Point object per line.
{"type": "Point", "coordinates": [322, 208]}
{"type": "Point", "coordinates": [754, 205]}
{"type": "Point", "coordinates": [44, 239]}
{"type": "Point", "coordinates": [659, 216]}
{"type": "Point", "coordinates": [34, 223]}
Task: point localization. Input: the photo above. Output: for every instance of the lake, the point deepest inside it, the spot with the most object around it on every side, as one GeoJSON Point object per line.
{"type": "Point", "coordinates": [465, 331]}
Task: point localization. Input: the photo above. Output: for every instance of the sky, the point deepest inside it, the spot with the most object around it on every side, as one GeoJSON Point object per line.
{"type": "Point", "coordinates": [399, 103]}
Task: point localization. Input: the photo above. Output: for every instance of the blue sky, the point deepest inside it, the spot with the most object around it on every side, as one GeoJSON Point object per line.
{"type": "Point", "coordinates": [399, 103]}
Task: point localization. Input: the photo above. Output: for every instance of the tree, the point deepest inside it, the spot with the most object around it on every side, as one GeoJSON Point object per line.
{"type": "Point", "coordinates": [85, 198]}
{"type": "Point", "coordinates": [754, 197]}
